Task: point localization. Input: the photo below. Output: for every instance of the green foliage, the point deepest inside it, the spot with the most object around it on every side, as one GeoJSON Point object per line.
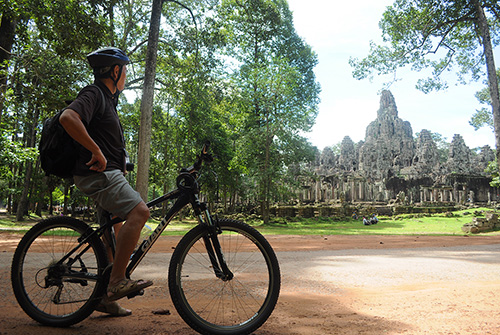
{"type": "Point", "coordinates": [12, 154]}
{"type": "Point", "coordinates": [484, 116]}
{"type": "Point", "coordinates": [211, 84]}
{"type": "Point", "coordinates": [432, 35]}
{"type": "Point", "coordinates": [64, 24]}
{"type": "Point", "coordinates": [439, 224]}
{"type": "Point", "coordinates": [495, 176]}
{"type": "Point", "coordinates": [277, 90]}
{"type": "Point", "coordinates": [446, 224]}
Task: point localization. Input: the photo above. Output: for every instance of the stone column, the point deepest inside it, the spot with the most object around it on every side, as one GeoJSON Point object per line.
{"type": "Point", "coordinates": [354, 193]}
{"type": "Point", "coordinates": [317, 191]}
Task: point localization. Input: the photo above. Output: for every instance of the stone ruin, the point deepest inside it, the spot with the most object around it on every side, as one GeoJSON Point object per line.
{"type": "Point", "coordinates": [392, 167]}
{"type": "Point", "coordinates": [480, 224]}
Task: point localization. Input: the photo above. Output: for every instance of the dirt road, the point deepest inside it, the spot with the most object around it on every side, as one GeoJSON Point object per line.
{"type": "Point", "coordinates": [331, 285]}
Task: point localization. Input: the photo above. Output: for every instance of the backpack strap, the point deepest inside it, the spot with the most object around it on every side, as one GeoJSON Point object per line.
{"type": "Point", "coordinates": [102, 104]}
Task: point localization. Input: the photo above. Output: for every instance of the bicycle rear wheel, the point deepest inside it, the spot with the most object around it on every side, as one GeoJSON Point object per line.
{"type": "Point", "coordinates": [213, 306]}
{"type": "Point", "coordinates": [58, 293]}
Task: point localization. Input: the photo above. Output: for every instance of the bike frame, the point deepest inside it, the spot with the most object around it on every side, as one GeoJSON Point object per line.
{"type": "Point", "coordinates": [186, 193]}
{"type": "Point", "coordinates": [182, 201]}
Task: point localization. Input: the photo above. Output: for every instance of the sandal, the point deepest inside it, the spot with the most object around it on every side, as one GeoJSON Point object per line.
{"type": "Point", "coordinates": [112, 308]}
{"type": "Point", "coordinates": [126, 287]}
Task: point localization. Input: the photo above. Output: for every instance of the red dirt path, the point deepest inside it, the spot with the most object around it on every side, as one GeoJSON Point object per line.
{"type": "Point", "coordinates": [422, 305]}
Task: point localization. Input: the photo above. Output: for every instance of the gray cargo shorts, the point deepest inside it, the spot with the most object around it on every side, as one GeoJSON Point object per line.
{"type": "Point", "coordinates": [111, 191]}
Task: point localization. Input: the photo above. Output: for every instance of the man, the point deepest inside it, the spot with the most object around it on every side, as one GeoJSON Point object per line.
{"type": "Point", "coordinates": [100, 169]}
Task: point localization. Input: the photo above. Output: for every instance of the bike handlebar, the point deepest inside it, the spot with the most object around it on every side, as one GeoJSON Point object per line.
{"type": "Point", "coordinates": [186, 180]}
{"type": "Point", "coordinates": [204, 156]}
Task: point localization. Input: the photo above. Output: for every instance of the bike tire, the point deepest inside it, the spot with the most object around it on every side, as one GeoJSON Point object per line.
{"type": "Point", "coordinates": [212, 306]}
{"type": "Point", "coordinates": [41, 288]}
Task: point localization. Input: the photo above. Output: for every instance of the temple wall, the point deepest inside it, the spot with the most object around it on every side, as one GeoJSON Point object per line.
{"type": "Point", "coordinates": [390, 165]}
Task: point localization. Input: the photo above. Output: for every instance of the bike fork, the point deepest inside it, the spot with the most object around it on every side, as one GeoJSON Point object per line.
{"type": "Point", "coordinates": [214, 249]}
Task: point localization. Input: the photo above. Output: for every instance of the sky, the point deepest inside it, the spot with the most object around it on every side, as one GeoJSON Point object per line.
{"type": "Point", "coordinates": [337, 30]}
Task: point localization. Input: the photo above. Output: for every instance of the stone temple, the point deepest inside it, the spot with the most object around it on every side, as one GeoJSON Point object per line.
{"type": "Point", "coordinates": [390, 165]}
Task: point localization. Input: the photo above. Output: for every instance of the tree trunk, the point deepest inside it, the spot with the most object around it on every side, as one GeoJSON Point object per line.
{"type": "Point", "coordinates": [267, 175]}
{"type": "Point", "coordinates": [22, 209]}
{"type": "Point", "coordinates": [51, 200]}
{"type": "Point", "coordinates": [147, 102]}
{"type": "Point", "coordinates": [39, 208]}
{"type": "Point", "coordinates": [7, 33]}
{"type": "Point", "coordinates": [491, 70]}
{"type": "Point", "coordinates": [66, 198]}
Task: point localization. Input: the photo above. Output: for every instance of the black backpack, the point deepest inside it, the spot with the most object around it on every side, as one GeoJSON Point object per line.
{"type": "Point", "coordinates": [58, 150]}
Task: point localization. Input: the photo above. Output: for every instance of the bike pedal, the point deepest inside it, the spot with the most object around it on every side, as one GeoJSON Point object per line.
{"type": "Point", "coordinates": [135, 294]}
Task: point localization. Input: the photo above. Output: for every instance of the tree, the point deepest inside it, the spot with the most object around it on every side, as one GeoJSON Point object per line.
{"type": "Point", "coordinates": [495, 176]}
{"type": "Point", "coordinates": [278, 90]}
{"type": "Point", "coordinates": [144, 151]}
{"type": "Point", "coordinates": [147, 102]}
{"type": "Point", "coordinates": [61, 24]}
{"type": "Point", "coordinates": [39, 69]}
{"type": "Point", "coordinates": [253, 111]}
{"type": "Point", "coordinates": [8, 25]}
{"type": "Point", "coordinates": [483, 117]}
{"type": "Point", "coordinates": [438, 35]}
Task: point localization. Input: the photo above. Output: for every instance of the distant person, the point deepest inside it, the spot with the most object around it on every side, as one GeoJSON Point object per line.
{"type": "Point", "coordinates": [366, 222]}
{"type": "Point", "coordinates": [374, 219]}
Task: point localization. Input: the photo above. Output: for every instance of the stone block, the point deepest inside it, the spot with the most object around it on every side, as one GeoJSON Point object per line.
{"type": "Point", "coordinates": [491, 217]}
{"type": "Point", "coordinates": [306, 212]}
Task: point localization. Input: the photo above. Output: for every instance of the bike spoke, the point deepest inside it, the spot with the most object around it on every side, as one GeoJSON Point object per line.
{"type": "Point", "coordinates": [50, 290]}
{"type": "Point", "coordinates": [213, 304]}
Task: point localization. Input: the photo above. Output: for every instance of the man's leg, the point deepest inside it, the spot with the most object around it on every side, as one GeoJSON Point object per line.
{"type": "Point", "coordinates": [126, 240]}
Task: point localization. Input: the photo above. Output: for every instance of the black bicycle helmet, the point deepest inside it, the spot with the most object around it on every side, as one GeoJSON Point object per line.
{"type": "Point", "coordinates": [103, 60]}
{"type": "Point", "coordinates": [108, 56]}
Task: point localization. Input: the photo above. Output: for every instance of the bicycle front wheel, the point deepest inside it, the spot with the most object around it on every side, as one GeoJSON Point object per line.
{"type": "Point", "coordinates": [215, 306]}
{"type": "Point", "coordinates": [51, 291]}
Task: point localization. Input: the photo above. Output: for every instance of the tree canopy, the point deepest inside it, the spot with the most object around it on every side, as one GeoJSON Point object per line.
{"type": "Point", "coordinates": [240, 77]}
{"type": "Point", "coordinates": [442, 36]}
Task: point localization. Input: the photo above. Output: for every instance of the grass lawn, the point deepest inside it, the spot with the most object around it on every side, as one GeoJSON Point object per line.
{"type": "Point", "coordinates": [437, 224]}
{"type": "Point", "coordinates": [386, 226]}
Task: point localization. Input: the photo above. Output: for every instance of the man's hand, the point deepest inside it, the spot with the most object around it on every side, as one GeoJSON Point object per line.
{"type": "Point", "coordinates": [73, 124]}
{"type": "Point", "coordinates": [98, 162]}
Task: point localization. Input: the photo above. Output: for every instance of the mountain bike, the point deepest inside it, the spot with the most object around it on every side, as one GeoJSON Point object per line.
{"type": "Point", "coordinates": [223, 276]}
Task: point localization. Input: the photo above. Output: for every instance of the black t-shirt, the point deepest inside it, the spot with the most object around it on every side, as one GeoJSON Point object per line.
{"type": "Point", "coordinates": [104, 129]}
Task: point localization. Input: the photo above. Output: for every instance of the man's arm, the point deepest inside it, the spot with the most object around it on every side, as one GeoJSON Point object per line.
{"type": "Point", "coordinates": [72, 123]}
